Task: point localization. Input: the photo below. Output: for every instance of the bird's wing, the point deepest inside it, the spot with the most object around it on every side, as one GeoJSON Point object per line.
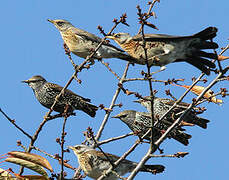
{"type": "Point", "coordinates": [67, 92]}
{"type": "Point", "coordinates": [101, 156]}
{"type": "Point", "coordinates": [91, 37]}
{"type": "Point", "coordinates": [170, 102]}
{"type": "Point", "coordinates": [158, 37]}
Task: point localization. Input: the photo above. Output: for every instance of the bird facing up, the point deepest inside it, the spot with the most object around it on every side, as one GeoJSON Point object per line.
{"type": "Point", "coordinates": [46, 93]}
{"type": "Point", "coordinates": [94, 163]}
{"type": "Point", "coordinates": [140, 122]}
{"type": "Point", "coordinates": [162, 105]}
{"type": "Point", "coordinates": [164, 49]}
{"type": "Point", "coordinates": [82, 43]}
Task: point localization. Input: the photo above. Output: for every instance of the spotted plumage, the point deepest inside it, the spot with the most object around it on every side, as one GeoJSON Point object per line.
{"type": "Point", "coordinates": [162, 105]}
{"type": "Point", "coordinates": [94, 163]}
{"type": "Point", "coordinates": [164, 49]}
{"type": "Point", "coordinates": [46, 93]}
{"type": "Point", "coordinates": [140, 122]}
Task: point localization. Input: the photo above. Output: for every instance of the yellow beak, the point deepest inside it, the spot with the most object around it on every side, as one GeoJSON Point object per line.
{"type": "Point", "coordinates": [51, 21]}
{"type": "Point", "coordinates": [110, 37]}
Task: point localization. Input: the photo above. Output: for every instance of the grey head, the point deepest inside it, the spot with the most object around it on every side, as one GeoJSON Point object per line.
{"type": "Point", "coordinates": [35, 82]}
{"type": "Point", "coordinates": [61, 24]}
{"type": "Point", "coordinates": [120, 38]}
{"type": "Point", "coordinates": [79, 149]}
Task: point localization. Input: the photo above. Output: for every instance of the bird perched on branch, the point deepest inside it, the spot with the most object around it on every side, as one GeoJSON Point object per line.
{"type": "Point", "coordinates": [82, 43]}
{"type": "Point", "coordinates": [94, 163]}
{"type": "Point", "coordinates": [162, 105]}
{"type": "Point", "coordinates": [164, 49]}
{"type": "Point", "coordinates": [46, 93]}
{"type": "Point", "coordinates": [140, 122]}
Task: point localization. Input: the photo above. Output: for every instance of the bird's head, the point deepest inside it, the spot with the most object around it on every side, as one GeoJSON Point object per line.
{"type": "Point", "coordinates": [145, 101]}
{"type": "Point", "coordinates": [61, 24]}
{"type": "Point", "coordinates": [120, 38]}
{"type": "Point", "coordinates": [79, 149]}
{"type": "Point", "coordinates": [125, 115]}
{"type": "Point", "coordinates": [35, 81]}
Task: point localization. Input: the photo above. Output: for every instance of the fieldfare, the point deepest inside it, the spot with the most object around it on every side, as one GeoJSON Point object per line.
{"type": "Point", "coordinates": [164, 49]}
{"type": "Point", "coordinates": [82, 43]}
{"type": "Point", "coordinates": [94, 163]}
{"type": "Point", "coordinates": [46, 93]}
{"type": "Point", "coordinates": [140, 122]}
{"type": "Point", "coordinates": [162, 105]}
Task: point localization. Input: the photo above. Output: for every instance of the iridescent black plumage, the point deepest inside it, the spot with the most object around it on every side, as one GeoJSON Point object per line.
{"type": "Point", "coordinates": [46, 93]}
{"type": "Point", "coordinates": [162, 105]}
{"type": "Point", "coordinates": [140, 122]}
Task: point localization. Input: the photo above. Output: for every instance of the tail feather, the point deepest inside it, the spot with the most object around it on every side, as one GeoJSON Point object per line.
{"type": "Point", "coordinates": [201, 122]}
{"type": "Point", "coordinates": [90, 109]}
{"type": "Point", "coordinates": [207, 33]}
{"type": "Point", "coordinates": [181, 137]}
{"type": "Point", "coordinates": [153, 168]}
{"type": "Point", "coordinates": [125, 57]}
{"type": "Point", "coordinates": [198, 64]}
{"type": "Point", "coordinates": [205, 54]}
{"type": "Point", "coordinates": [205, 45]}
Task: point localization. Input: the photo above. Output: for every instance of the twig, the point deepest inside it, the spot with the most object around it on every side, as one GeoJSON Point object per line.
{"type": "Point", "coordinates": [119, 160]}
{"type": "Point", "coordinates": [62, 145]}
{"type": "Point", "coordinates": [107, 65]}
{"type": "Point", "coordinates": [13, 122]}
{"type": "Point", "coordinates": [114, 138]}
{"type": "Point", "coordinates": [177, 155]}
{"type": "Point", "coordinates": [99, 133]}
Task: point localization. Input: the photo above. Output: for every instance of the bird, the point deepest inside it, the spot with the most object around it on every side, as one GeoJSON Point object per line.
{"type": "Point", "coordinates": [95, 163]}
{"type": "Point", "coordinates": [162, 105]}
{"type": "Point", "coordinates": [82, 43]}
{"type": "Point", "coordinates": [140, 122]}
{"type": "Point", "coordinates": [164, 49]}
{"type": "Point", "coordinates": [46, 93]}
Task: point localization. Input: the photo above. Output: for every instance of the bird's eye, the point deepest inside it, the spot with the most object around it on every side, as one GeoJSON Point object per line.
{"type": "Point", "coordinates": [117, 35]}
{"type": "Point", "coordinates": [123, 116]}
{"type": "Point", "coordinates": [60, 23]}
{"type": "Point", "coordinates": [78, 147]}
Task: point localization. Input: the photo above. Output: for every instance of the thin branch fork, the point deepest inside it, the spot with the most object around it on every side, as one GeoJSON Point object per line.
{"type": "Point", "coordinates": [177, 122]}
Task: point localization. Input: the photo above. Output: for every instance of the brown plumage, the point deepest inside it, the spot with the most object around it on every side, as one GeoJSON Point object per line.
{"type": "Point", "coordinates": [164, 49]}
{"type": "Point", "coordinates": [94, 163]}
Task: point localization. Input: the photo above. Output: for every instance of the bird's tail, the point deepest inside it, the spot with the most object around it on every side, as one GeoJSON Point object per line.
{"type": "Point", "coordinates": [196, 55]}
{"type": "Point", "coordinates": [180, 137]}
{"type": "Point", "coordinates": [153, 168]}
{"type": "Point", "coordinates": [125, 57]}
{"type": "Point", "coordinates": [201, 122]}
{"type": "Point", "coordinates": [90, 109]}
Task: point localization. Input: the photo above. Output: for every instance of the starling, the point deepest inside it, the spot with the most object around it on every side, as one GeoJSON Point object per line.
{"type": "Point", "coordinates": [94, 163]}
{"type": "Point", "coordinates": [81, 42]}
{"type": "Point", "coordinates": [164, 49]}
{"type": "Point", "coordinates": [46, 93]}
{"type": "Point", "coordinates": [162, 105]}
{"type": "Point", "coordinates": [140, 122]}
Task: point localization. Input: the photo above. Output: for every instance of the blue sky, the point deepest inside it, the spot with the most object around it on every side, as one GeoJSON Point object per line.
{"type": "Point", "coordinates": [30, 45]}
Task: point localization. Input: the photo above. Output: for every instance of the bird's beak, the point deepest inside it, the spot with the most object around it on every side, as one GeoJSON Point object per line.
{"type": "Point", "coordinates": [25, 81]}
{"type": "Point", "coordinates": [117, 116]}
{"type": "Point", "coordinates": [110, 37]}
{"type": "Point", "coordinates": [137, 101]}
{"type": "Point", "coordinates": [70, 147]}
{"type": "Point", "coordinates": [51, 21]}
